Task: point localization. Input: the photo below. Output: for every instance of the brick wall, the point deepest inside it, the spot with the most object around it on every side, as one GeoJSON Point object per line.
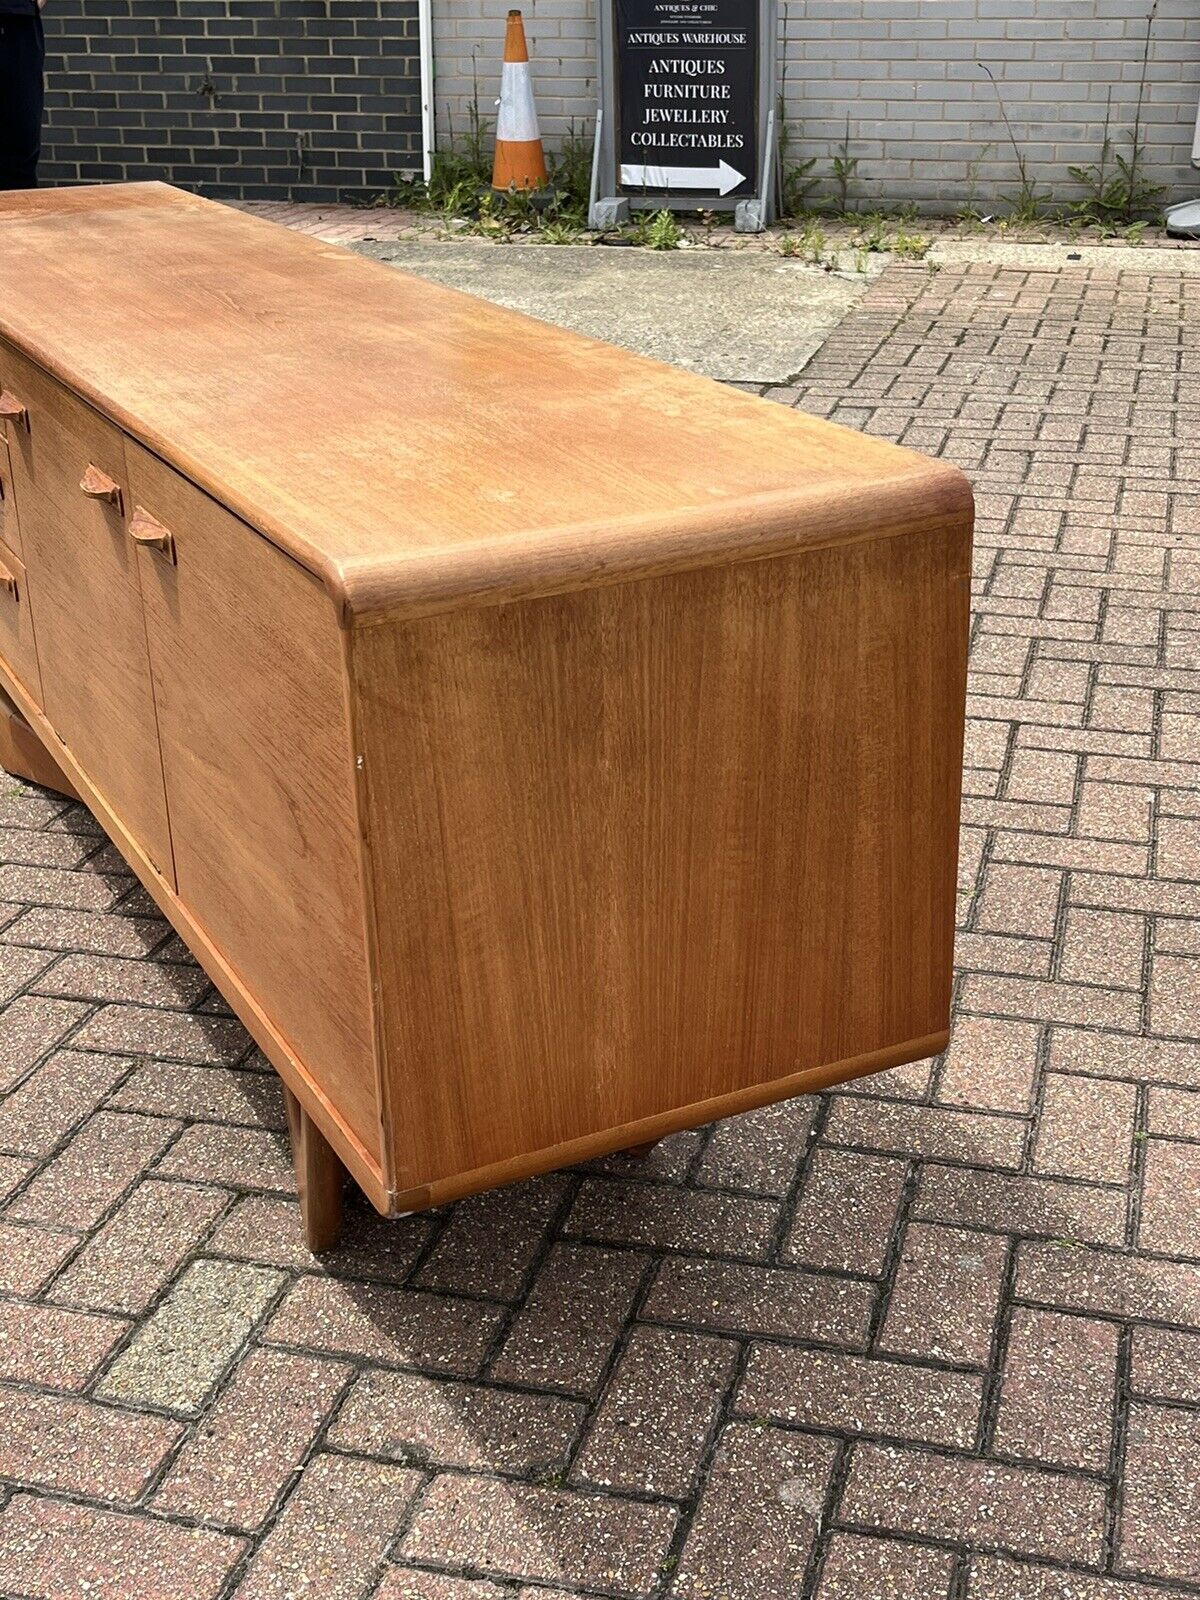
{"type": "Point", "coordinates": [250, 99]}
{"type": "Point", "coordinates": [924, 122]}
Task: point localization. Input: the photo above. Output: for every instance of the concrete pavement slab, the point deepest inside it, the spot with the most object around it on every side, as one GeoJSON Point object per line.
{"type": "Point", "coordinates": [747, 318]}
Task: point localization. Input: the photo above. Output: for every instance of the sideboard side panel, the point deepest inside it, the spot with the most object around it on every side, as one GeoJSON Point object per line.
{"type": "Point", "coordinates": [662, 843]}
{"type": "Point", "coordinates": [249, 678]}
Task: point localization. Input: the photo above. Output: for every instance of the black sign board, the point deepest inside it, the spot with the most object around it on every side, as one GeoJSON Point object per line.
{"type": "Point", "coordinates": [687, 102]}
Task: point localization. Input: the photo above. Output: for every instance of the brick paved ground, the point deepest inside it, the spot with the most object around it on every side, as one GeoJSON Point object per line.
{"type": "Point", "coordinates": [938, 1336]}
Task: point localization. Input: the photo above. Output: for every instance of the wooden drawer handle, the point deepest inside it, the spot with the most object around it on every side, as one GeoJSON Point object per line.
{"type": "Point", "coordinates": [98, 485]}
{"type": "Point", "coordinates": [8, 582]}
{"type": "Point", "coordinates": [148, 530]}
{"type": "Point", "coordinates": [11, 409]}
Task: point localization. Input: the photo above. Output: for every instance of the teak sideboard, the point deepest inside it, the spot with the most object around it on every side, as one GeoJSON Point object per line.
{"type": "Point", "coordinates": [542, 749]}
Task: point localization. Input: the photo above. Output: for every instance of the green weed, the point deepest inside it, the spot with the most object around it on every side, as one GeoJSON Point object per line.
{"type": "Point", "coordinates": [657, 230]}
{"type": "Point", "coordinates": [845, 170]}
{"type": "Point", "coordinates": [1028, 202]}
{"type": "Point", "coordinates": [1117, 191]}
{"type": "Point", "coordinates": [909, 246]}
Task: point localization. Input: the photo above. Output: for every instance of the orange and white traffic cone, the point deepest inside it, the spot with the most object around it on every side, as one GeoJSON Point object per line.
{"type": "Point", "coordinates": [520, 160]}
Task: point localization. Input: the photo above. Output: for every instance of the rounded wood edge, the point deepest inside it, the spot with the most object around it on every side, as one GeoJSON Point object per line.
{"type": "Point", "coordinates": [930, 496]}
{"type": "Point", "coordinates": [652, 1129]}
{"type": "Point", "coordinates": [923, 494]}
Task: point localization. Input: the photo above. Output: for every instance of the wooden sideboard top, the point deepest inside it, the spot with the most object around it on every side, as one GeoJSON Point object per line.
{"type": "Point", "coordinates": [415, 447]}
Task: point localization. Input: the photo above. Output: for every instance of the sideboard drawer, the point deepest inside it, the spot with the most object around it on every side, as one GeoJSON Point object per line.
{"type": "Point", "coordinates": [58, 439]}
{"type": "Point", "coordinates": [17, 649]}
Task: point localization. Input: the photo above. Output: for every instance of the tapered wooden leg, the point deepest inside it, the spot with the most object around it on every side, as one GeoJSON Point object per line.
{"type": "Point", "coordinates": [320, 1177]}
{"type": "Point", "coordinates": [24, 755]}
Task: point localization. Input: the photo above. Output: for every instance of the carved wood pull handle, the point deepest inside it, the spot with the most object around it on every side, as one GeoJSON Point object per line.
{"type": "Point", "coordinates": [98, 485]}
{"type": "Point", "coordinates": [148, 530]}
{"type": "Point", "coordinates": [8, 581]}
{"type": "Point", "coordinates": [11, 409]}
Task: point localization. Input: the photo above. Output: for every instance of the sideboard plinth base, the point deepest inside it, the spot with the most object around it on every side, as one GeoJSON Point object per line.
{"type": "Point", "coordinates": [24, 755]}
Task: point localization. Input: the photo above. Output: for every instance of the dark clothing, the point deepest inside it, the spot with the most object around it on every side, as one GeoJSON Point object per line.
{"type": "Point", "coordinates": [22, 58]}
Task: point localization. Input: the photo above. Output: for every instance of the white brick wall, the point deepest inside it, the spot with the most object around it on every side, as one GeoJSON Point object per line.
{"type": "Point", "coordinates": [924, 122]}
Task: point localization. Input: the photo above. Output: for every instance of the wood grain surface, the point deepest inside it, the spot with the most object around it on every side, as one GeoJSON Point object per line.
{"type": "Point", "coordinates": [658, 843]}
{"type": "Point", "coordinates": [415, 447]}
{"type": "Point", "coordinates": [320, 1178]}
{"type": "Point", "coordinates": [24, 755]}
{"type": "Point", "coordinates": [85, 599]}
{"type": "Point", "coordinates": [10, 528]}
{"type": "Point", "coordinates": [17, 643]}
{"type": "Point", "coordinates": [542, 749]}
{"type": "Point", "coordinates": [249, 682]}
{"type": "Point", "coordinates": [305, 1079]}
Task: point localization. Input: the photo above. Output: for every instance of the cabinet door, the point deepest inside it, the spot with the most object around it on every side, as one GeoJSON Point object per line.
{"type": "Point", "coordinates": [252, 707]}
{"type": "Point", "coordinates": [10, 533]}
{"type": "Point", "coordinates": [16, 629]}
{"type": "Point", "coordinates": [68, 472]}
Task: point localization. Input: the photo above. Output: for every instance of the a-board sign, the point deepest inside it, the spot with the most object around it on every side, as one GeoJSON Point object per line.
{"type": "Point", "coordinates": [687, 102]}
{"type": "Point", "coordinates": [686, 116]}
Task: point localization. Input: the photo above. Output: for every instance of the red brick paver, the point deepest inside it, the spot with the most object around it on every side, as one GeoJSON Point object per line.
{"type": "Point", "coordinates": [59, 1551]}
{"type": "Point", "coordinates": [932, 1336]}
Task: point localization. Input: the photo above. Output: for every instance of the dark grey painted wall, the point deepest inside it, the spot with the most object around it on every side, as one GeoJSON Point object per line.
{"type": "Point", "coordinates": [246, 99]}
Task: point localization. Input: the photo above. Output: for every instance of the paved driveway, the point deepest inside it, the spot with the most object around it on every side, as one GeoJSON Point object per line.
{"type": "Point", "coordinates": [934, 1336]}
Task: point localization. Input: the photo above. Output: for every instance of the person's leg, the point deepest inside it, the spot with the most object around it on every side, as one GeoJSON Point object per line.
{"type": "Point", "coordinates": [22, 58]}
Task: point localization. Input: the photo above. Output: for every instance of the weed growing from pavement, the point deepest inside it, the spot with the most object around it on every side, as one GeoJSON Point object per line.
{"type": "Point", "coordinates": [870, 235]}
{"type": "Point", "coordinates": [874, 234]}
{"type": "Point", "coordinates": [1028, 202]}
{"type": "Point", "coordinates": [657, 230]}
{"type": "Point", "coordinates": [797, 182]}
{"type": "Point", "coordinates": [1115, 196]}
{"type": "Point", "coordinates": [1117, 192]}
{"type": "Point", "coordinates": [968, 211]}
{"type": "Point", "coordinates": [909, 246]}
{"type": "Point", "coordinates": [459, 189]}
{"type": "Point", "coordinates": [812, 240]}
{"type": "Point", "coordinates": [561, 232]}
{"type": "Point", "coordinates": [845, 170]}
{"type": "Point", "coordinates": [459, 194]}
{"type": "Point", "coordinates": [797, 185]}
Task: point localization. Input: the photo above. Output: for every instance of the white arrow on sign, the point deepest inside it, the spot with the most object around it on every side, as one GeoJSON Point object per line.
{"type": "Point", "coordinates": [722, 178]}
